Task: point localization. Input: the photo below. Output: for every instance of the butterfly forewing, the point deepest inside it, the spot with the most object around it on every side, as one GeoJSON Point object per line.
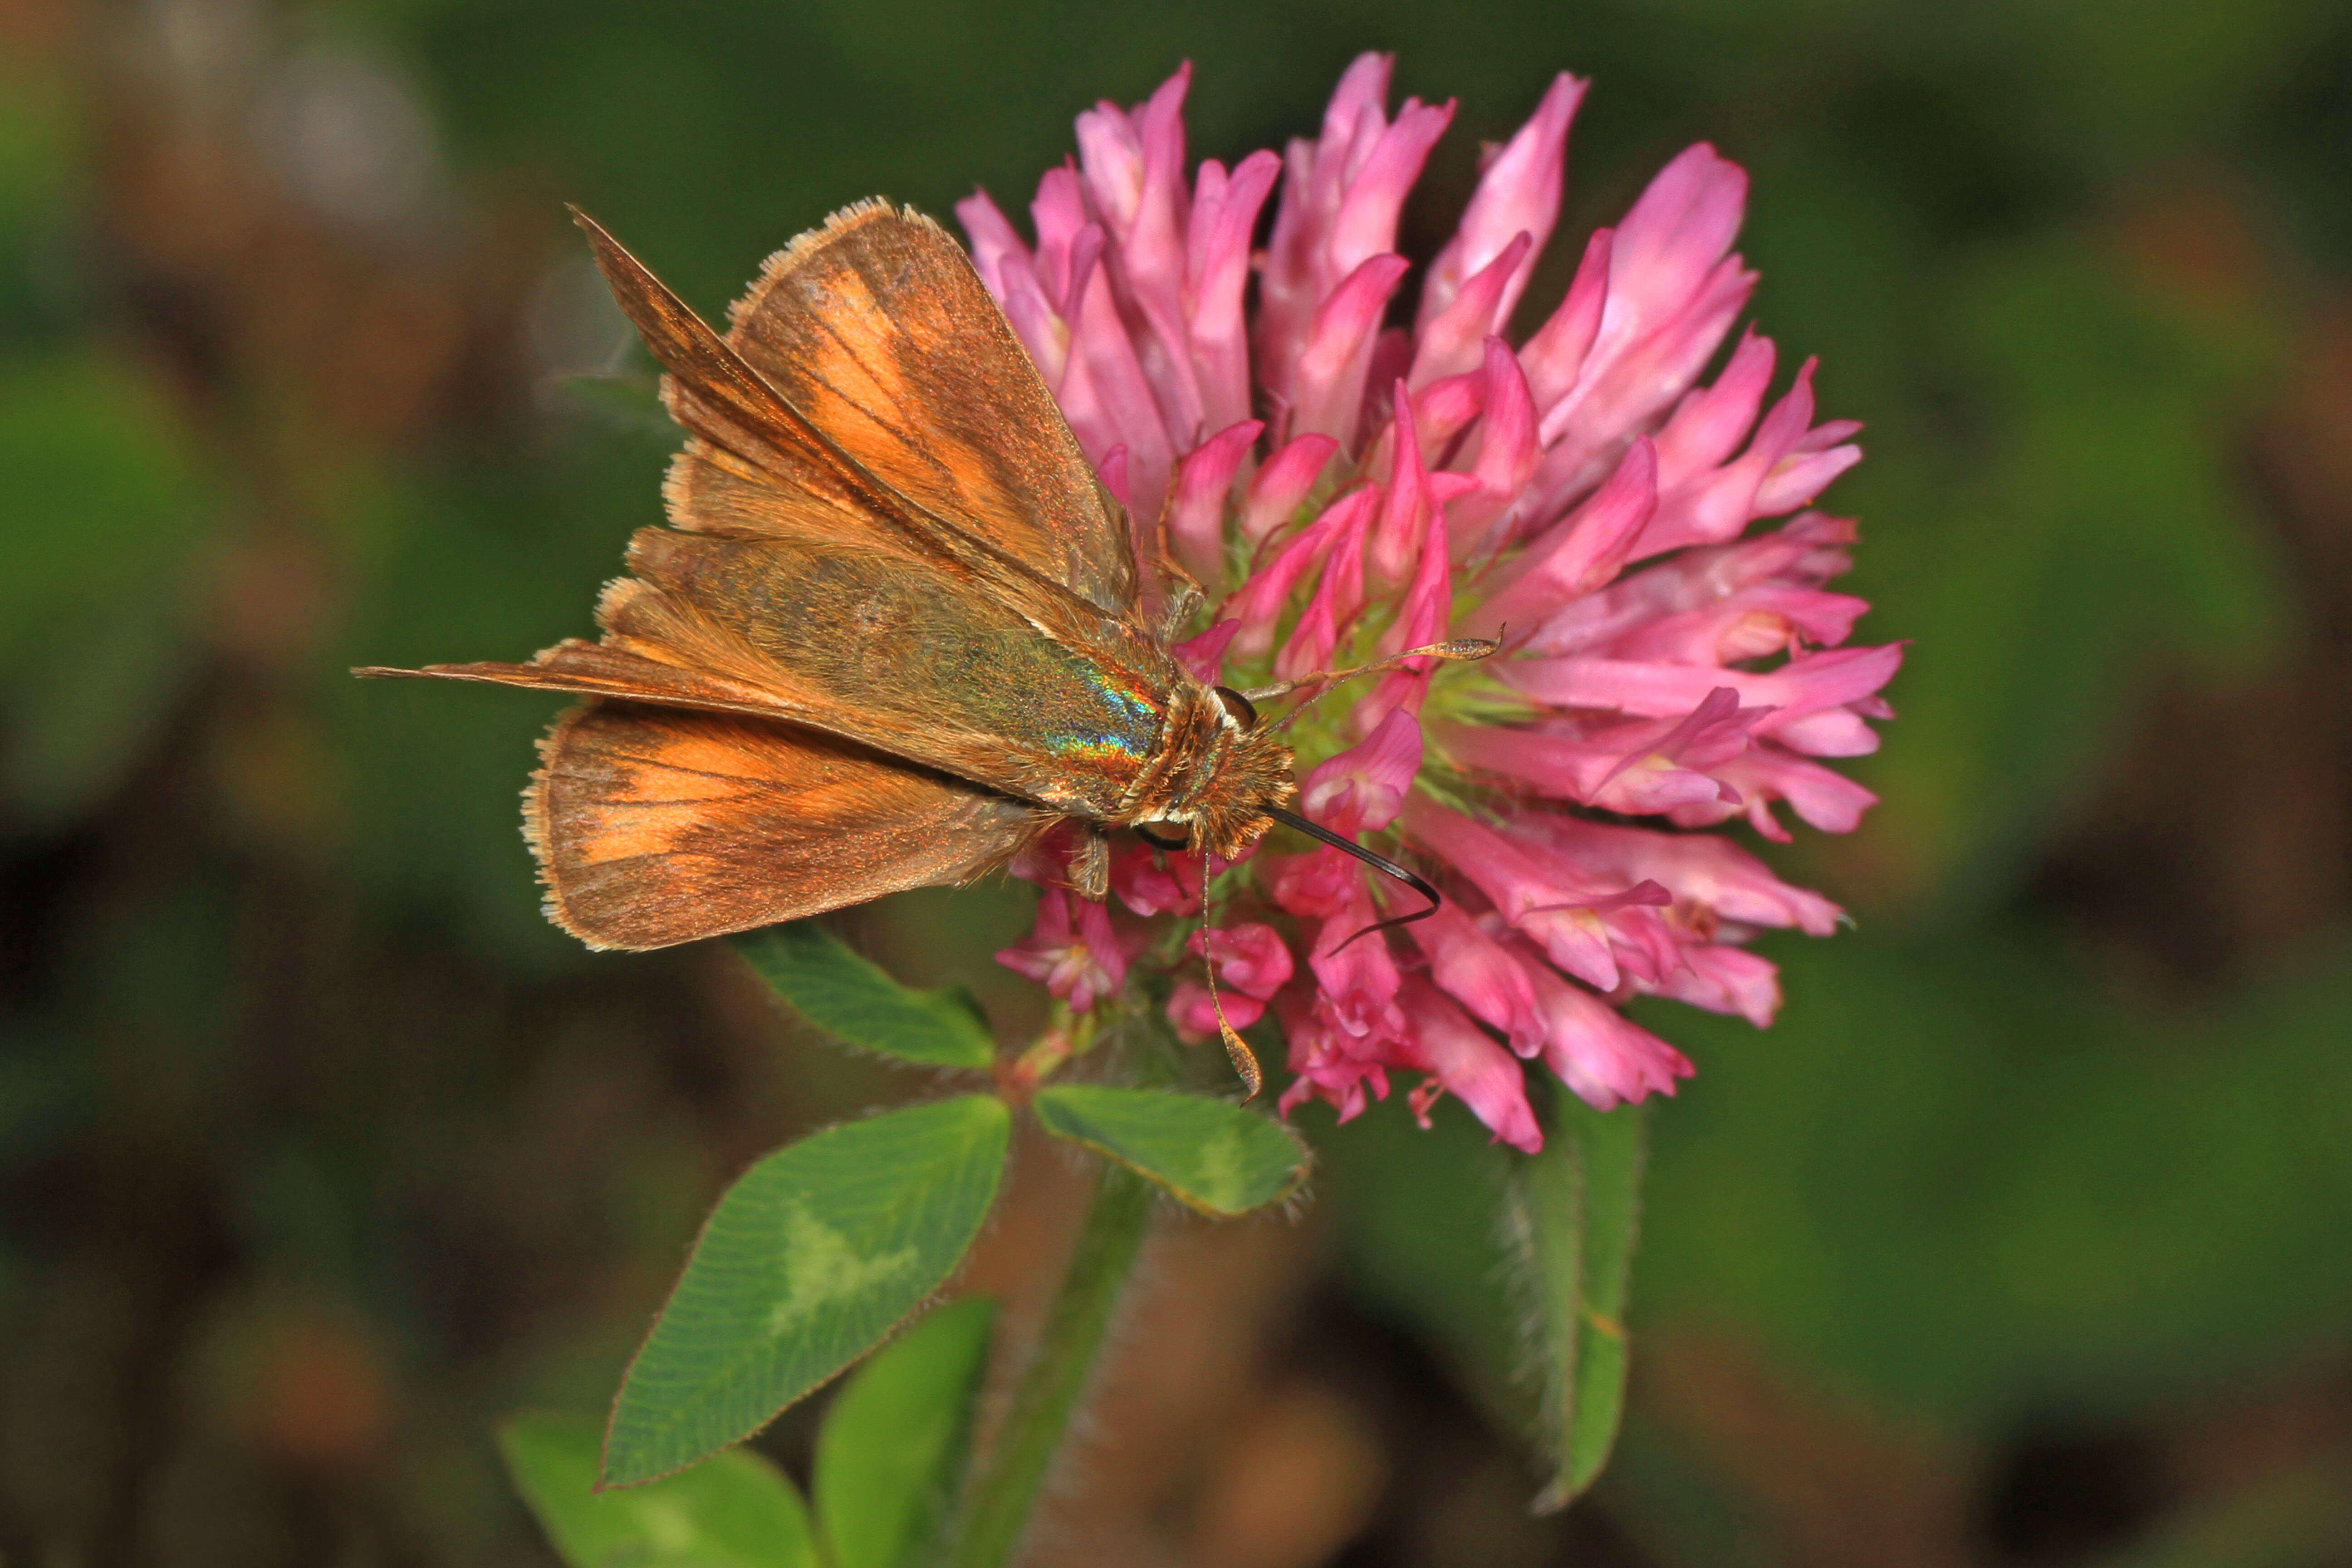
{"type": "Point", "coordinates": [738, 422]}
{"type": "Point", "coordinates": [605, 669]}
{"type": "Point", "coordinates": [877, 328]}
{"type": "Point", "coordinates": [747, 434]}
{"type": "Point", "coordinates": [891, 650]}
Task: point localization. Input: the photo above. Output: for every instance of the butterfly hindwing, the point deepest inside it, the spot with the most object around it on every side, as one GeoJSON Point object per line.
{"type": "Point", "coordinates": [656, 826]}
{"type": "Point", "coordinates": [886, 649]}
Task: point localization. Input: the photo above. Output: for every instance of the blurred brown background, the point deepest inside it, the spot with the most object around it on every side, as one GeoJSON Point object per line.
{"type": "Point", "coordinates": [2022, 1239]}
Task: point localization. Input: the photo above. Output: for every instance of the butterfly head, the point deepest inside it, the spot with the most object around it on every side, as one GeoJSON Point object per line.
{"type": "Point", "coordinates": [1224, 773]}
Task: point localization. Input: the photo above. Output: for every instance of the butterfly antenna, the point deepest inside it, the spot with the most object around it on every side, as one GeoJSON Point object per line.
{"type": "Point", "coordinates": [1325, 682]}
{"type": "Point", "coordinates": [1379, 863]}
{"type": "Point", "coordinates": [1238, 1049]}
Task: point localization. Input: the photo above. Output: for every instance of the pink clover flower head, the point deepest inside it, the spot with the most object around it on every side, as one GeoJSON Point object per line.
{"type": "Point", "coordinates": [1638, 538]}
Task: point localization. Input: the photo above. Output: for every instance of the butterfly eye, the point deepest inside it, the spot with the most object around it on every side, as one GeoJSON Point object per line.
{"type": "Point", "coordinates": [1182, 840]}
{"type": "Point", "coordinates": [1244, 710]}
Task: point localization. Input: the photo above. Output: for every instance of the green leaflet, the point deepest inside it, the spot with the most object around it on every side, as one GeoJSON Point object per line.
{"type": "Point", "coordinates": [1217, 1157]}
{"type": "Point", "coordinates": [1571, 1215]}
{"type": "Point", "coordinates": [806, 1264]}
{"type": "Point", "coordinates": [895, 1444]}
{"type": "Point", "coordinates": [847, 997]}
{"type": "Point", "coordinates": [737, 1511]}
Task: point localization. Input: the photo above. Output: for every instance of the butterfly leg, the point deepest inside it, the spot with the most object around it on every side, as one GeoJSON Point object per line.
{"type": "Point", "coordinates": [1090, 863]}
{"type": "Point", "coordinates": [1183, 599]}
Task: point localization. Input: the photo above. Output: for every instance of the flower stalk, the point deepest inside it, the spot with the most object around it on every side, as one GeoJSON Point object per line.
{"type": "Point", "coordinates": [1066, 1036]}
{"type": "Point", "coordinates": [1006, 1490]}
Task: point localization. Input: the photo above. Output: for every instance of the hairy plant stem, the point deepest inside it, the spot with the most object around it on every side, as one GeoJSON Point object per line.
{"type": "Point", "coordinates": [997, 1512]}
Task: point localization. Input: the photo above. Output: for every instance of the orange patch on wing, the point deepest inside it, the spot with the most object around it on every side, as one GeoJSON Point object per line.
{"type": "Point", "coordinates": [876, 327]}
{"type": "Point", "coordinates": [656, 826]}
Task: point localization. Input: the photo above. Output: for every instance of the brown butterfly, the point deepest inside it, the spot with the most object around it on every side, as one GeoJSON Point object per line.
{"type": "Point", "coordinates": [894, 634]}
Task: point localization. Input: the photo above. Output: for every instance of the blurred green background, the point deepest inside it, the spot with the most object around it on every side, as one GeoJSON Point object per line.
{"type": "Point", "coordinates": [2024, 1237]}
